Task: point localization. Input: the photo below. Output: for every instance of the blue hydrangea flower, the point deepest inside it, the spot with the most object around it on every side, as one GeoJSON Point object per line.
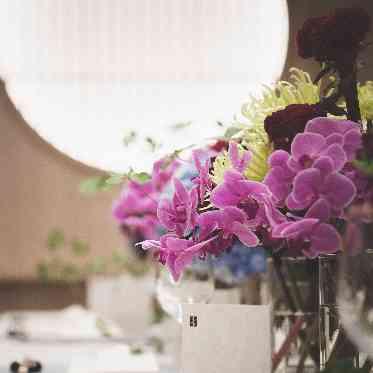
{"type": "Point", "coordinates": [239, 263]}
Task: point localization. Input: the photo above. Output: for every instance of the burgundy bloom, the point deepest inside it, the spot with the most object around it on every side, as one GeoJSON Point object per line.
{"type": "Point", "coordinates": [335, 37]}
{"type": "Point", "coordinates": [283, 125]}
{"type": "Point", "coordinates": [219, 146]}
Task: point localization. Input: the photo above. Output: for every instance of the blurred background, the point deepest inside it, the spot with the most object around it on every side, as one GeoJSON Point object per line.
{"type": "Point", "coordinates": [44, 215]}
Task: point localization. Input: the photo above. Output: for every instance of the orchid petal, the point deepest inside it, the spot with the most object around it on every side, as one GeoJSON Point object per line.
{"type": "Point", "coordinates": [246, 236]}
{"type": "Point", "coordinates": [337, 154]}
{"type": "Point", "coordinates": [299, 228]}
{"type": "Point", "coordinates": [352, 143]}
{"type": "Point", "coordinates": [325, 165]}
{"type": "Point", "coordinates": [319, 210]}
{"type": "Point", "coordinates": [186, 258]}
{"type": "Point", "coordinates": [305, 188]}
{"type": "Point", "coordinates": [325, 240]}
{"type": "Point", "coordinates": [307, 144]}
{"type": "Point", "coordinates": [327, 126]}
{"type": "Point", "coordinates": [339, 190]}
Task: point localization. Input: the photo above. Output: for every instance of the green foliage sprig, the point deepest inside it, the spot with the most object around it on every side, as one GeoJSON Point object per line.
{"type": "Point", "coordinates": [68, 261]}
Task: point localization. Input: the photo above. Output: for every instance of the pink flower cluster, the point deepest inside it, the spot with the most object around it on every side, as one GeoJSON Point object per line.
{"type": "Point", "coordinates": [295, 208]}
{"type": "Point", "coordinates": [136, 209]}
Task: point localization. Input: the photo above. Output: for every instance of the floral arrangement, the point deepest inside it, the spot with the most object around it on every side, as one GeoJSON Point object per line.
{"type": "Point", "coordinates": [287, 177]}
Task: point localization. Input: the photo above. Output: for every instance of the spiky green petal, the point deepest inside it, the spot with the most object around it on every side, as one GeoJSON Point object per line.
{"type": "Point", "coordinates": [299, 90]}
{"type": "Point", "coordinates": [366, 100]}
{"type": "Point", "coordinates": [258, 166]}
{"type": "Point", "coordinates": [220, 165]}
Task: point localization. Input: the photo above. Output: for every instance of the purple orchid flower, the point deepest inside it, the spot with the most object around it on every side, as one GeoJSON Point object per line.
{"type": "Point", "coordinates": [203, 180]}
{"type": "Point", "coordinates": [280, 177]}
{"type": "Point", "coordinates": [236, 191]}
{"type": "Point", "coordinates": [311, 235]}
{"type": "Point", "coordinates": [136, 209]}
{"type": "Point", "coordinates": [335, 131]}
{"type": "Point", "coordinates": [176, 253]}
{"type": "Point", "coordinates": [313, 170]}
{"type": "Point", "coordinates": [163, 171]}
{"type": "Point", "coordinates": [306, 148]}
{"type": "Point", "coordinates": [230, 222]}
{"type": "Point", "coordinates": [146, 226]}
{"type": "Point", "coordinates": [136, 199]}
{"type": "Point", "coordinates": [321, 182]}
{"type": "Point", "coordinates": [179, 214]}
{"type": "Point", "coordinates": [239, 163]}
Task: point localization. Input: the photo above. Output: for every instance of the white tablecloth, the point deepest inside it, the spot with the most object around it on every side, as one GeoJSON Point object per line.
{"type": "Point", "coordinates": [78, 357]}
{"type": "Point", "coordinates": [69, 341]}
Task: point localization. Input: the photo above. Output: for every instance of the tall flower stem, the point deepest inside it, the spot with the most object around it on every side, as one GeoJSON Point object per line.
{"type": "Point", "coordinates": [349, 91]}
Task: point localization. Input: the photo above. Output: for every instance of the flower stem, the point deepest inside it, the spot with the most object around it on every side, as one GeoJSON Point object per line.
{"type": "Point", "coordinates": [348, 87]}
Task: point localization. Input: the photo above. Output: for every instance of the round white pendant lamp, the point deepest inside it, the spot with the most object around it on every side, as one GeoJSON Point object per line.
{"type": "Point", "coordinates": [118, 83]}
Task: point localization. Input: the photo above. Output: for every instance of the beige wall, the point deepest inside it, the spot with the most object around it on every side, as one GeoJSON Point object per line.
{"type": "Point", "coordinates": [39, 191]}
{"type": "Point", "coordinates": [39, 186]}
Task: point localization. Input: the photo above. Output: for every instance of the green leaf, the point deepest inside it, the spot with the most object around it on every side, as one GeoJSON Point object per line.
{"type": "Point", "coordinates": [94, 185]}
{"type": "Point", "coordinates": [115, 179]}
{"type": "Point", "coordinates": [118, 258]}
{"type": "Point", "coordinates": [70, 272]}
{"type": "Point", "coordinates": [97, 266]}
{"type": "Point", "coordinates": [129, 138]}
{"type": "Point", "coordinates": [79, 247]}
{"type": "Point", "coordinates": [42, 271]}
{"type": "Point", "coordinates": [231, 131]}
{"type": "Point", "coordinates": [102, 327]}
{"type": "Point", "coordinates": [140, 177]}
{"type": "Point", "coordinates": [366, 166]}
{"type": "Point", "coordinates": [181, 125]}
{"type": "Point", "coordinates": [55, 240]}
{"type": "Point", "coordinates": [136, 350]}
{"type": "Point", "coordinates": [153, 144]}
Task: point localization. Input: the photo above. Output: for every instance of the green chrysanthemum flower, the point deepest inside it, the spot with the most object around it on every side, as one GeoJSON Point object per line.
{"type": "Point", "coordinates": [299, 90]}
{"type": "Point", "coordinates": [252, 136]}
{"type": "Point", "coordinates": [220, 165]}
{"type": "Point", "coordinates": [366, 100]}
{"type": "Point", "coordinates": [258, 166]}
{"type": "Point", "coordinates": [256, 141]}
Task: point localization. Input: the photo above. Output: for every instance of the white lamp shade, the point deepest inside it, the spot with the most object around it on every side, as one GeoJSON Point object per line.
{"type": "Point", "coordinates": [85, 73]}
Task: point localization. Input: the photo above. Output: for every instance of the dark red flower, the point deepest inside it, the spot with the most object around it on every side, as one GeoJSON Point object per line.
{"type": "Point", "coordinates": [336, 37]}
{"type": "Point", "coordinates": [282, 126]}
{"type": "Point", "coordinates": [219, 145]}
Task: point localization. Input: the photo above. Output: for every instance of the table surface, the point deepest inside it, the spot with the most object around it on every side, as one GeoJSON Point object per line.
{"type": "Point", "coordinates": [61, 357]}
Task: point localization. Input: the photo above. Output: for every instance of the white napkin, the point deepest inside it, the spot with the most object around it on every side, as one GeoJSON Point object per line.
{"type": "Point", "coordinates": [72, 323]}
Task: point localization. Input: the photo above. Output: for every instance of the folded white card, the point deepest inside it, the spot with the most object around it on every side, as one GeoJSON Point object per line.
{"type": "Point", "coordinates": [221, 338]}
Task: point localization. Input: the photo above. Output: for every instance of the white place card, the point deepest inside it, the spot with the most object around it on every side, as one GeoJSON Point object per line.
{"type": "Point", "coordinates": [221, 338]}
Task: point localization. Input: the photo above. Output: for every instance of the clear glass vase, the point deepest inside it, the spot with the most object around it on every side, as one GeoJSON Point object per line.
{"type": "Point", "coordinates": [294, 299]}
{"type": "Point", "coordinates": [336, 349]}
